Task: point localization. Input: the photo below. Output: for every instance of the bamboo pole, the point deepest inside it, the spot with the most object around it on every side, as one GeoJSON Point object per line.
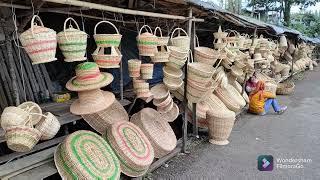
{"type": "Point", "coordinates": [192, 35]}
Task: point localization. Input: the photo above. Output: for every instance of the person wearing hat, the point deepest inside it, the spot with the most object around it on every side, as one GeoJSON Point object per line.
{"type": "Point", "coordinates": [260, 101]}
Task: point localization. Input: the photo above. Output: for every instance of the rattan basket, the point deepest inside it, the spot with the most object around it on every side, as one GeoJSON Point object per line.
{"type": "Point", "coordinates": [107, 40]}
{"type": "Point", "coordinates": [170, 72]}
{"type": "Point", "coordinates": [158, 131]}
{"type": "Point", "coordinates": [201, 109]}
{"type": "Point", "coordinates": [161, 55]}
{"type": "Point", "coordinates": [220, 129]}
{"type": "Point", "coordinates": [205, 55]}
{"type": "Point", "coordinates": [171, 115]}
{"type": "Point", "coordinates": [134, 66]}
{"type": "Point", "coordinates": [180, 41]}
{"type": "Point", "coordinates": [172, 83]}
{"type": "Point", "coordinates": [147, 42]}
{"type": "Point", "coordinates": [162, 41]}
{"type": "Point", "coordinates": [286, 88]}
{"type": "Point", "coordinates": [146, 71]}
{"type": "Point", "coordinates": [178, 52]}
{"type": "Point", "coordinates": [33, 108]}
{"type": "Point", "coordinates": [103, 60]}
{"type": "Point", "coordinates": [49, 126]}
{"type": "Point", "coordinates": [163, 101]}
{"type": "Point", "coordinates": [159, 91]}
{"type": "Point", "coordinates": [13, 116]}
{"type": "Point", "coordinates": [228, 99]}
{"type": "Point", "coordinates": [165, 108]}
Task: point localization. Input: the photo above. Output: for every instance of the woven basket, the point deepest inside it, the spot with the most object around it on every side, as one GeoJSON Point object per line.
{"type": "Point", "coordinates": [134, 66]}
{"type": "Point", "coordinates": [103, 60]}
{"type": "Point", "coordinates": [39, 42]}
{"type": "Point", "coordinates": [205, 55]}
{"type": "Point", "coordinates": [170, 72]}
{"type": "Point", "coordinates": [161, 55]}
{"type": "Point", "coordinates": [13, 116]}
{"type": "Point", "coordinates": [22, 138]}
{"type": "Point", "coordinates": [180, 41]}
{"type": "Point", "coordinates": [178, 52]}
{"type": "Point", "coordinates": [220, 129]}
{"type": "Point", "coordinates": [217, 108]}
{"type": "Point", "coordinates": [157, 129]}
{"type": "Point", "coordinates": [132, 147]}
{"type": "Point", "coordinates": [49, 126]}
{"type": "Point", "coordinates": [166, 108]}
{"type": "Point", "coordinates": [179, 93]}
{"type": "Point", "coordinates": [171, 115]}
{"type": "Point", "coordinates": [220, 34]}
{"type": "Point", "coordinates": [147, 42]}
{"type": "Point", "coordinates": [146, 71]}
{"type": "Point", "coordinates": [200, 72]}
{"type": "Point", "coordinates": [285, 88]}
{"type": "Point", "coordinates": [196, 92]}
{"type": "Point", "coordinates": [201, 122]}
{"type": "Point", "coordinates": [228, 99]}
{"type": "Point", "coordinates": [86, 155]}
{"type": "Point", "coordinates": [141, 88]}
{"type": "Point", "coordinates": [159, 91]}
{"type": "Point", "coordinates": [176, 62]}
{"type": "Point", "coordinates": [72, 42]}
{"type": "Point", "coordinates": [107, 40]}
{"type": "Point", "coordinates": [33, 108]}
{"type": "Point", "coordinates": [172, 83]}
{"type": "Point", "coordinates": [201, 109]}
{"type": "Point", "coordinates": [163, 101]}
{"type": "Point", "coordinates": [162, 41]}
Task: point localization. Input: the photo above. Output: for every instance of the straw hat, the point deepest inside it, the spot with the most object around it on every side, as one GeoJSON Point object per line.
{"type": "Point", "coordinates": [159, 91]}
{"type": "Point", "coordinates": [92, 101]}
{"type": "Point", "coordinates": [158, 131]}
{"type": "Point", "coordinates": [88, 77]}
{"type": "Point", "coordinates": [86, 155]}
{"type": "Point", "coordinates": [171, 115]}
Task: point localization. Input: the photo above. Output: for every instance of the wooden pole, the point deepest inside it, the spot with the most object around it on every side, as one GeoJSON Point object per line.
{"type": "Point", "coordinates": [192, 35]}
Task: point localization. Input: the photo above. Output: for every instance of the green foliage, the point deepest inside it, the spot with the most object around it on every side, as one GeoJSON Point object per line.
{"type": "Point", "coordinates": [306, 23]}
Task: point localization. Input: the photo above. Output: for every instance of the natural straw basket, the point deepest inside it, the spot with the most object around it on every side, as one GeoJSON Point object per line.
{"type": "Point", "coordinates": [161, 55]}
{"type": "Point", "coordinates": [132, 147]}
{"type": "Point", "coordinates": [201, 122]}
{"type": "Point", "coordinates": [228, 99]}
{"type": "Point", "coordinates": [220, 129]}
{"type": "Point", "coordinates": [176, 62]}
{"type": "Point", "coordinates": [134, 66]}
{"type": "Point", "coordinates": [286, 88]}
{"type": "Point", "coordinates": [180, 41]}
{"type": "Point", "coordinates": [147, 42]}
{"type": "Point", "coordinates": [33, 108]}
{"type": "Point", "coordinates": [101, 120]}
{"type": "Point", "coordinates": [73, 42]}
{"type": "Point", "coordinates": [217, 108]}
{"type": "Point", "coordinates": [172, 83]}
{"type": "Point", "coordinates": [162, 41]}
{"type": "Point", "coordinates": [39, 42]}
{"type": "Point", "coordinates": [178, 52]}
{"type": "Point", "coordinates": [171, 115]}
{"type": "Point", "coordinates": [158, 131]}
{"type": "Point", "coordinates": [49, 126]}
{"type": "Point", "coordinates": [170, 72]}
{"type": "Point", "coordinates": [196, 92]}
{"type": "Point", "coordinates": [166, 108]}
{"type": "Point", "coordinates": [103, 60]}
{"type": "Point", "coordinates": [141, 88]}
{"type": "Point", "coordinates": [205, 55]}
{"type": "Point", "coordinates": [107, 40]}
{"type": "Point", "coordinates": [162, 102]}
{"type": "Point", "coordinates": [201, 109]}
{"type": "Point", "coordinates": [13, 116]}
{"type": "Point", "coordinates": [22, 138]}
{"type": "Point", "coordinates": [86, 155]}
{"type": "Point", "coordinates": [146, 71]}
{"type": "Point", "coordinates": [159, 91]}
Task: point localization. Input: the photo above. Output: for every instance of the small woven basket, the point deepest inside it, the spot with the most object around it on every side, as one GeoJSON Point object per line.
{"type": "Point", "coordinates": [107, 40]}
{"type": "Point", "coordinates": [49, 126]}
{"type": "Point", "coordinates": [200, 72]}
{"type": "Point", "coordinates": [196, 92]}
{"type": "Point", "coordinates": [147, 42]}
{"type": "Point", "coordinates": [285, 88]}
{"type": "Point", "coordinates": [165, 108]}
{"type": "Point", "coordinates": [178, 52]}
{"type": "Point", "coordinates": [180, 41]}
{"type": "Point", "coordinates": [170, 72]}
{"type": "Point", "coordinates": [146, 71]}
{"type": "Point", "coordinates": [205, 55]}
{"type": "Point", "coordinates": [172, 83]}
{"type": "Point", "coordinates": [73, 42]}
{"type": "Point", "coordinates": [162, 102]}
{"type": "Point", "coordinates": [13, 116]}
{"type": "Point", "coordinates": [171, 115]}
{"type": "Point", "coordinates": [176, 62]}
{"type": "Point", "coordinates": [158, 131]}
{"type": "Point", "coordinates": [34, 109]}
{"type": "Point", "coordinates": [161, 55]}
{"type": "Point", "coordinates": [162, 41]}
{"type": "Point", "coordinates": [134, 66]}
{"type": "Point", "coordinates": [160, 91]}
{"type": "Point", "coordinates": [39, 42]}
{"type": "Point", "coordinates": [111, 60]}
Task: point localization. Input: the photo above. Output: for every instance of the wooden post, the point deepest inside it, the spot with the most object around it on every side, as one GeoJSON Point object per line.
{"type": "Point", "coordinates": [11, 63]}
{"type": "Point", "coordinates": [192, 35]}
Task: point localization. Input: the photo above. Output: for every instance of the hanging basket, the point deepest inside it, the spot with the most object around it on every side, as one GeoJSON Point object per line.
{"type": "Point", "coordinates": [178, 52]}
{"type": "Point", "coordinates": [205, 55]}
{"type": "Point", "coordinates": [146, 71]}
{"type": "Point", "coordinates": [170, 72]}
{"type": "Point", "coordinates": [108, 61]}
{"type": "Point", "coordinates": [39, 42]}
{"type": "Point", "coordinates": [180, 41]}
{"type": "Point", "coordinates": [147, 42]}
{"type": "Point", "coordinates": [134, 66]}
{"type": "Point", "coordinates": [13, 116]}
{"type": "Point", "coordinates": [285, 88]}
{"type": "Point", "coordinates": [107, 40]}
{"type": "Point", "coordinates": [161, 56]}
{"type": "Point", "coordinates": [166, 108]}
{"type": "Point", "coordinates": [176, 62]}
{"type": "Point", "coordinates": [49, 126]}
{"type": "Point", "coordinates": [171, 115]}
{"type": "Point", "coordinates": [141, 88]}
{"type": "Point", "coordinates": [196, 92]}
{"type": "Point", "coordinates": [200, 72]}
{"type": "Point", "coordinates": [162, 41]}
{"type": "Point", "coordinates": [73, 42]}
{"type": "Point", "coordinates": [34, 111]}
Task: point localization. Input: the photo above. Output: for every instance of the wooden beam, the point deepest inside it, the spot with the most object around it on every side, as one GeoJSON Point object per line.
{"type": "Point", "coordinates": [37, 5]}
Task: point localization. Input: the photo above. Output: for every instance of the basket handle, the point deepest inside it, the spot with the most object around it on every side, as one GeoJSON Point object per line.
{"type": "Point", "coordinates": [147, 28]}
{"type": "Point", "coordinates": [179, 33]}
{"type": "Point", "coordinates": [65, 24]}
{"type": "Point", "coordinates": [156, 30]}
{"type": "Point", "coordinates": [108, 22]}
{"type": "Point", "coordinates": [33, 23]}
{"type": "Point", "coordinates": [197, 41]}
{"type": "Point", "coordinates": [234, 32]}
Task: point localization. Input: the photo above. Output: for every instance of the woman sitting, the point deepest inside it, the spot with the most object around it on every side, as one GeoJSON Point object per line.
{"type": "Point", "coordinates": [260, 101]}
{"type": "Point", "coordinates": [251, 83]}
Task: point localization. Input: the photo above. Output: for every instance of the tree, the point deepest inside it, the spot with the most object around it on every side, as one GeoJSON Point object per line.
{"type": "Point", "coordinates": [307, 23]}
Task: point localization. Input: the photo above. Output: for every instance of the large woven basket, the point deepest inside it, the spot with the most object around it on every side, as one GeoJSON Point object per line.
{"type": "Point", "coordinates": [172, 83]}
{"type": "Point", "coordinates": [158, 131]}
{"type": "Point", "coordinates": [180, 41]}
{"type": "Point", "coordinates": [13, 116]}
{"type": "Point", "coordinates": [111, 60]}
{"type": "Point", "coordinates": [132, 147]}
{"type": "Point", "coordinates": [49, 126]}
{"type": "Point", "coordinates": [220, 129]}
{"type": "Point", "coordinates": [200, 72]}
{"type": "Point", "coordinates": [217, 108]}
{"type": "Point", "coordinates": [205, 55]}
{"type": "Point", "coordinates": [228, 99]}
{"type": "Point", "coordinates": [286, 88]}
{"type": "Point", "coordinates": [162, 41]}
{"type": "Point", "coordinates": [22, 138]}
{"type": "Point", "coordinates": [34, 109]}
{"type": "Point", "coordinates": [86, 155]}
{"type": "Point", "coordinates": [39, 42]}
{"type": "Point", "coordinates": [107, 40]}
{"type": "Point", "coordinates": [134, 66]}
{"type": "Point", "coordinates": [176, 62]}
{"type": "Point", "coordinates": [72, 42]}
{"type": "Point", "coordinates": [196, 92]}
{"type": "Point", "coordinates": [101, 120]}
{"type": "Point", "coordinates": [201, 122]}
{"type": "Point", "coordinates": [178, 52]}
{"type": "Point", "coordinates": [146, 71]}
{"type": "Point", "coordinates": [147, 42]}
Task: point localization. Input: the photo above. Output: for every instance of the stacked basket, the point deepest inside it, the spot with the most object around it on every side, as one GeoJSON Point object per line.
{"type": "Point", "coordinates": [205, 55]}
{"type": "Point", "coordinates": [162, 54]}
{"type": "Point", "coordinates": [147, 42]}
{"type": "Point", "coordinates": [107, 42]}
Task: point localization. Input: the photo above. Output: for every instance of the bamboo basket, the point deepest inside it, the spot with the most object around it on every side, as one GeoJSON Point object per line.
{"type": "Point", "coordinates": [13, 116]}
{"type": "Point", "coordinates": [73, 42]}
{"type": "Point", "coordinates": [205, 55]}
{"type": "Point", "coordinates": [49, 126]}
{"type": "Point", "coordinates": [166, 108]}
{"type": "Point", "coordinates": [220, 129]}
{"type": "Point", "coordinates": [39, 42]}
{"type": "Point", "coordinates": [271, 87]}
{"type": "Point", "coordinates": [285, 88]}
{"type": "Point", "coordinates": [103, 60]}
{"type": "Point", "coordinates": [146, 71]}
{"type": "Point", "coordinates": [180, 41]}
{"type": "Point", "coordinates": [162, 102]}
{"type": "Point", "coordinates": [162, 41]}
{"type": "Point", "coordinates": [170, 72]}
{"type": "Point", "coordinates": [147, 42]}
{"type": "Point", "coordinates": [134, 66]}
{"type": "Point", "coordinates": [34, 109]}
{"type": "Point", "coordinates": [201, 109]}
{"type": "Point", "coordinates": [160, 56]}
{"type": "Point", "coordinates": [228, 99]}
{"type": "Point", "coordinates": [107, 40]}
{"type": "Point", "coordinates": [171, 115]}
{"type": "Point", "coordinates": [160, 91]}
{"type": "Point", "coordinates": [200, 72]}
{"type": "Point", "coordinates": [172, 83]}
{"type": "Point", "coordinates": [178, 52]}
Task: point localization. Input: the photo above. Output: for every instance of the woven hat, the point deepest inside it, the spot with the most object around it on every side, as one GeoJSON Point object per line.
{"type": "Point", "coordinates": [132, 147]}
{"type": "Point", "coordinates": [159, 91]}
{"type": "Point", "coordinates": [86, 155]}
{"type": "Point", "coordinates": [171, 115]}
{"type": "Point", "coordinates": [158, 131]}
{"type": "Point", "coordinates": [101, 120]}
{"type": "Point", "coordinates": [33, 109]}
{"type": "Point", "coordinates": [92, 102]}
{"type": "Point", "coordinates": [88, 77]}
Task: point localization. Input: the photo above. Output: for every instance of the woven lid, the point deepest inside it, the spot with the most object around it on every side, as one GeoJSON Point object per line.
{"type": "Point", "coordinates": [88, 77]}
{"type": "Point", "coordinates": [86, 155]}
{"type": "Point", "coordinates": [159, 91]}
{"type": "Point", "coordinates": [34, 109]}
{"type": "Point", "coordinates": [158, 130]}
{"type": "Point", "coordinates": [132, 147]}
{"type": "Point", "coordinates": [171, 115]}
{"type": "Point", "coordinates": [217, 107]}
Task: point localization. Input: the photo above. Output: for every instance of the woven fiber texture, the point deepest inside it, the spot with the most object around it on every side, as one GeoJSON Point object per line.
{"type": "Point", "coordinates": [158, 131]}
{"type": "Point", "coordinates": [107, 40]}
{"type": "Point", "coordinates": [13, 116]}
{"type": "Point", "coordinates": [132, 147]}
{"type": "Point", "coordinates": [228, 99]}
{"type": "Point", "coordinates": [48, 126]}
{"type": "Point", "coordinates": [86, 155]}
{"type": "Point", "coordinates": [32, 107]}
{"type": "Point", "coordinates": [217, 107]}
{"type": "Point", "coordinates": [101, 120]}
{"type": "Point", "coordinates": [134, 66]}
{"type": "Point", "coordinates": [220, 129]}
{"type": "Point", "coordinates": [146, 71]}
{"type": "Point", "coordinates": [171, 115]}
{"type": "Point", "coordinates": [147, 42]}
{"type": "Point", "coordinates": [159, 91]}
{"type": "Point", "coordinates": [180, 41]}
{"type": "Point", "coordinates": [111, 60]}
{"type": "Point", "coordinates": [286, 88]}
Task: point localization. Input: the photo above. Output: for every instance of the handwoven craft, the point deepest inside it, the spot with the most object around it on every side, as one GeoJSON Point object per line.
{"type": "Point", "coordinates": [165, 108]}
{"type": "Point", "coordinates": [107, 40]}
{"type": "Point", "coordinates": [201, 109]}
{"type": "Point", "coordinates": [159, 91]}
{"type": "Point", "coordinates": [86, 155]}
{"type": "Point", "coordinates": [228, 99]}
{"type": "Point", "coordinates": [162, 40]}
{"type": "Point", "coordinates": [103, 60]}
{"type": "Point", "coordinates": [101, 120]}
{"type": "Point", "coordinates": [39, 42]}
{"type": "Point", "coordinates": [178, 52]}
{"type": "Point", "coordinates": [205, 55]}
{"type": "Point", "coordinates": [13, 116]}
{"type": "Point", "coordinates": [171, 72]}
{"type": "Point", "coordinates": [158, 131]}
{"type": "Point", "coordinates": [134, 66]}
{"type": "Point", "coordinates": [49, 126]}
{"type": "Point", "coordinates": [196, 91]}
{"type": "Point", "coordinates": [171, 115]}
{"type": "Point", "coordinates": [163, 101]}
{"type": "Point", "coordinates": [72, 42]}
{"type": "Point", "coordinates": [172, 83]}
{"type": "Point", "coordinates": [132, 147]}
{"type": "Point", "coordinates": [201, 122]}
{"type": "Point", "coordinates": [147, 42]}
{"type": "Point", "coordinates": [141, 88]}
{"type": "Point", "coordinates": [34, 108]}
{"type": "Point", "coordinates": [200, 72]}
{"type": "Point", "coordinates": [146, 71]}
{"type": "Point", "coordinates": [180, 41]}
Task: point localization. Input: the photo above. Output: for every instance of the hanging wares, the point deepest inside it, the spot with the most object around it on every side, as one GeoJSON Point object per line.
{"type": "Point", "coordinates": [107, 40]}
{"type": "Point", "coordinates": [110, 60]}
{"type": "Point", "coordinates": [147, 42]}
{"type": "Point", "coordinates": [180, 41]}
{"type": "Point", "coordinates": [162, 54]}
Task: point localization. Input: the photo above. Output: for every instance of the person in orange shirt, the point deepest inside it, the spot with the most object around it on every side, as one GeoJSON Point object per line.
{"type": "Point", "coordinates": [260, 101]}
